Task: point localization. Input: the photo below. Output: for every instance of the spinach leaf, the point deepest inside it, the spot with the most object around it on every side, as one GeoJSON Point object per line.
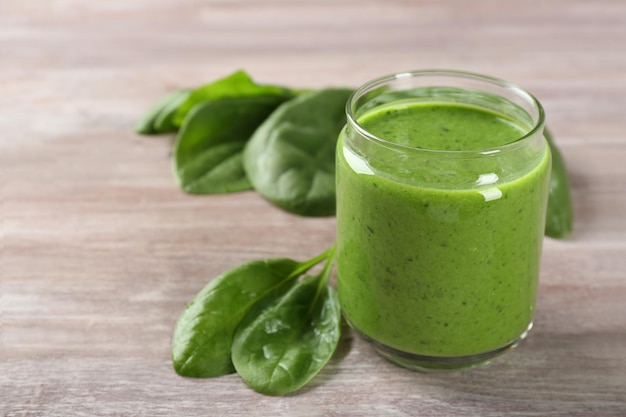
{"type": "Point", "coordinates": [237, 84]}
{"type": "Point", "coordinates": [280, 349]}
{"type": "Point", "coordinates": [559, 213]}
{"type": "Point", "coordinates": [164, 122]}
{"type": "Point", "coordinates": [290, 159]}
{"type": "Point", "coordinates": [155, 120]}
{"type": "Point", "coordinates": [209, 146]}
{"type": "Point", "coordinates": [201, 345]}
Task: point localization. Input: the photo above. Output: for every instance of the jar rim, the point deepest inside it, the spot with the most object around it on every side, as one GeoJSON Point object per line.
{"type": "Point", "coordinates": [537, 126]}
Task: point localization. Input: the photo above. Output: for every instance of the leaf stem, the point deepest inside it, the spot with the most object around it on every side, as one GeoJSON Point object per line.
{"type": "Point", "coordinates": [306, 265]}
{"type": "Point", "coordinates": [329, 265]}
{"type": "Point", "coordinates": [323, 277]}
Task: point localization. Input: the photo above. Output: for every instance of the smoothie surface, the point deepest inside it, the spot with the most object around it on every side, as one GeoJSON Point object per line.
{"type": "Point", "coordinates": [441, 126]}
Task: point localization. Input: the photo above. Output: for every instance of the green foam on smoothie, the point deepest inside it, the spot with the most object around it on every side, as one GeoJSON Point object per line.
{"type": "Point", "coordinates": [441, 126]}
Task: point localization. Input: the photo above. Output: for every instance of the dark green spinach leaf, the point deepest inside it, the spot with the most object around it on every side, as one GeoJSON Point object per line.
{"type": "Point", "coordinates": [157, 119]}
{"type": "Point", "coordinates": [290, 159]}
{"type": "Point", "coordinates": [559, 215]}
{"type": "Point", "coordinates": [237, 84]}
{"type": "Point", "coordinates": [281, 348]}
{"type": "Point", "coordinates": [209, 146]}
{"type": "Point", "coordinates": [201, 345]}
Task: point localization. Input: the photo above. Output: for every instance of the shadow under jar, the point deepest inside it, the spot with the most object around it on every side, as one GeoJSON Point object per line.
{"type": "Point", "coordinates": [442, 186]}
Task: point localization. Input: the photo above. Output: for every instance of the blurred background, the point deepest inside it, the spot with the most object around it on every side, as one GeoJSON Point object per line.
{"type": "Point", "coordinates": [86, 49]}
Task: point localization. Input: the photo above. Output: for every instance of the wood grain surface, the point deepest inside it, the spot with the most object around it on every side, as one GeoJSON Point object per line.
{"type": "Point", "coordinates": [100, 251]}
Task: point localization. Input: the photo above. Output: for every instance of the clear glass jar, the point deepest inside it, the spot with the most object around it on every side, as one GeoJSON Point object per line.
{"type": "Point", "coordinates": [442, 186]}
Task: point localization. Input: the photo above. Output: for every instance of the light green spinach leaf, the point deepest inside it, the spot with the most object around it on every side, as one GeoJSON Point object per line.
{"type": "Point", "coordinates": [237, 84]}
{"type": "Point", "coordinates": [290, 159]}
{"type": "Point", "coordinates": [157, 119]}
{"type": "Point", "coordinates": [164, 122]}
{"type": "Point", "coordinates": [281, 348]}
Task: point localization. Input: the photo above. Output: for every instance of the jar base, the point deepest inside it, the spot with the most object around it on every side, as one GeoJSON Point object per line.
{"type": "Point", "coordinates": [439, 364]}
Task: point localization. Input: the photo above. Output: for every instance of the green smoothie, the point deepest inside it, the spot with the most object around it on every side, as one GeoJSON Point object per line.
{"type": "Point", "coordinates": [432, 266]}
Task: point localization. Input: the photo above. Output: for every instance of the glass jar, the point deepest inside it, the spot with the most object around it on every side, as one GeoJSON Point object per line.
{"type": "Point", "coordinates": [442, 187]}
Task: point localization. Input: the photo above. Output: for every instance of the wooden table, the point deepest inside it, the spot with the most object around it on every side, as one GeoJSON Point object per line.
{"type": "Point", "coordinates": [100, 251]}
